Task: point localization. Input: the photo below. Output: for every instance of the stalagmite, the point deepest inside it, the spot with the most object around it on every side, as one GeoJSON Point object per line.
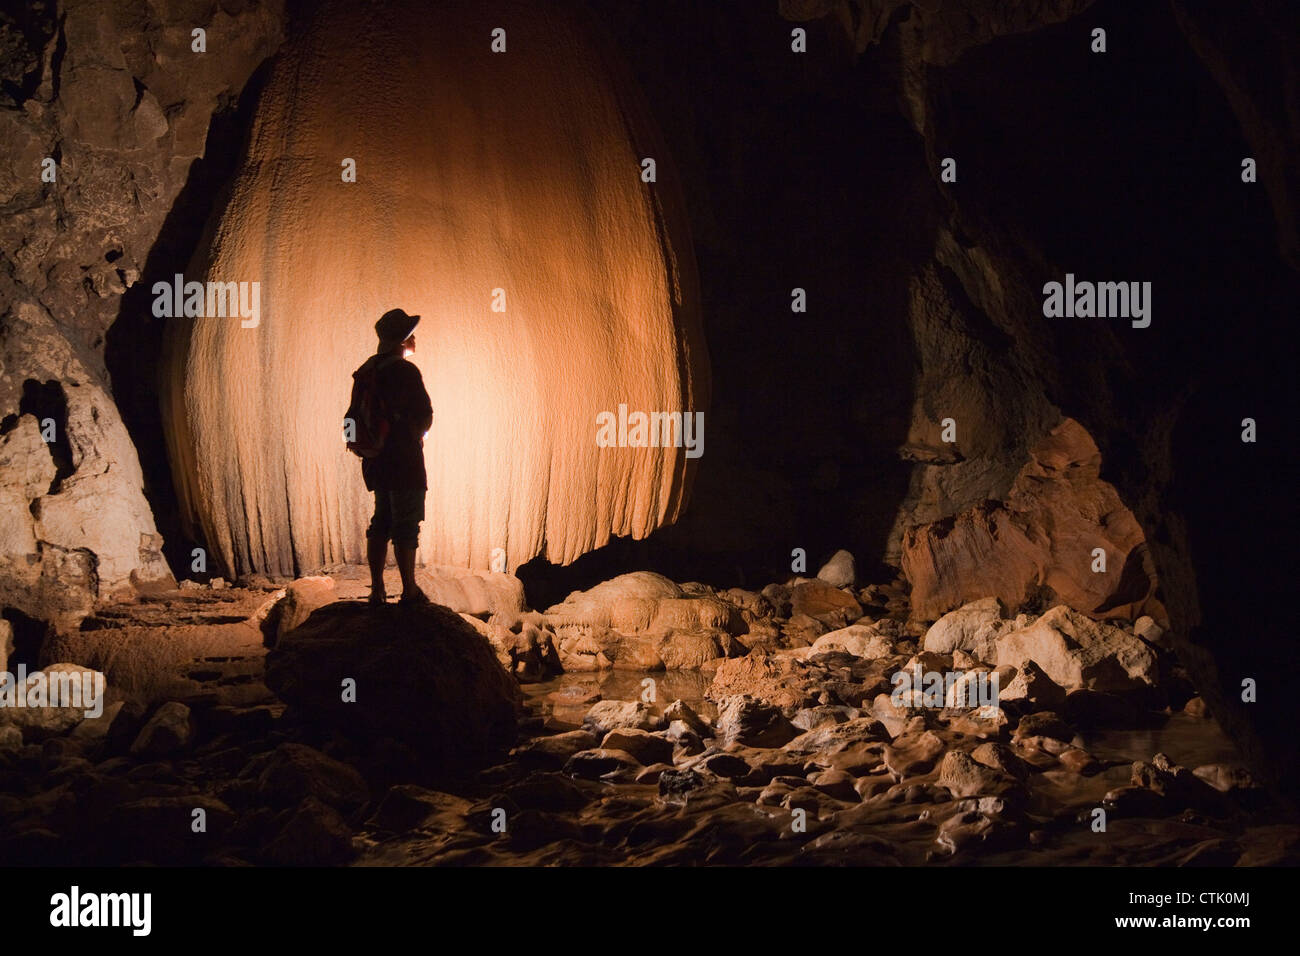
{"type": "Point", "coordinates": [480, 178]}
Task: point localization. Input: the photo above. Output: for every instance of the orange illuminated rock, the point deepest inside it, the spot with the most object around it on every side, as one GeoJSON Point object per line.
{"type": "Point", "coordinates": [1042, 539]}
{"type": "Point", "coordinates": [500, 197]}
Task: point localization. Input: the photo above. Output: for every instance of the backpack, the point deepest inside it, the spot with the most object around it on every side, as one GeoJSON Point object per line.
{"type": "Point", "coordinates": [368, 413]}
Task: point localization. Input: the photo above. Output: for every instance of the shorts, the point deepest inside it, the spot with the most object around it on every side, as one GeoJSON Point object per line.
{"type": "Point", "coordinates": [397, 517]}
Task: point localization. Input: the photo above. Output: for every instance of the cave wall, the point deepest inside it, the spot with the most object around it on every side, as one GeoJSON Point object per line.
{"type": "Point", "coordinates": [116, 96]}
{"type": "Point", "coordinates": [475, 171]}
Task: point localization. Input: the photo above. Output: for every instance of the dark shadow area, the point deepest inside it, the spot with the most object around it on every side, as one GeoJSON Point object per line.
{"type": "Point", "coordinates": [134, 343]}
{"type": "Point", "coordinates": [29, 635]}
{"type": "Point", "coordinates": [48, 403]}
{"type": "Point", "coordinates": [794, 179]}
{"type": "Point", "coordinates": [1127, 166]}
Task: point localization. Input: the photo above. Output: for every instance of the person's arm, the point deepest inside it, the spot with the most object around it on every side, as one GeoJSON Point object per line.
{"type": "Point", "coordinates": [421, 407]}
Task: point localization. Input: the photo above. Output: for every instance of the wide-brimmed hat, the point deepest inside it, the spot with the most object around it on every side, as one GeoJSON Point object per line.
{"type": "Point", "coordinates": [395, 326]}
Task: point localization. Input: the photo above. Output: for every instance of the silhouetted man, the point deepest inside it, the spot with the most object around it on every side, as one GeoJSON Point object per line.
{"type": "Point", "coordinates": [389, 400]}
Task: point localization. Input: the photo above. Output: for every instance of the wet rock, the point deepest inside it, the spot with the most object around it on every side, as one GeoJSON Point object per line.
{"type": "Point", "coordinates": [548, 791]}
{"type": "Point", "coordinates": [1179, 785]}
{"type": "Point", "coordinates": [607, 715]}
{"type": "Point", "coordinates": [978, 823]}
{"type": "Point", "coordinates": [552, 752]}
{"type": "Point", "coordinates": [421, 676]}
{"type": "Point", "coordinates": [168, 731]}
{"type": "Point", "coordinates": [690, 650]}
{"type": "Point", "coordinates": [676, 785]}
{"type": "Point", "coordinates": [812, 717]}
{"type": "Point", "coordinates": [1002, 758]}
{"type": "Point", "coordinates": [912, 754]}
{"type": "Point", "coordinates": [965, 777]}
{"type": "Point", "coordinates": [1079, 761]}
{"type": "Point", "coordinates": [646, 747]}
{"type": "Point", "coordinates": [1044, 724]}
{"type": "Point", "coordinates": [596, 763]}
{"type": "Point", "coordinates": [834, 738]}
{"type": "Point", "coordinates": [1030, 686]}
{"type": "Point", "coordinates": [1076, 651]}
{"type": "Point", "coordinates": [1225, 777]}
{"type": "Point", "coordinates": [725, 765]}
{"type": "Point", "coordinates": [743, 719]}
{"type": "Point", "coordinates": [680, 710]}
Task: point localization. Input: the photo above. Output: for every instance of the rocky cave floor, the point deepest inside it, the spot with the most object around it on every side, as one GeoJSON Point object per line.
{"type": "Point", "coordinates": [772, 739]}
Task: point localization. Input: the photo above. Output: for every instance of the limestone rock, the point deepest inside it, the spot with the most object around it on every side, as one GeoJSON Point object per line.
{"type": "Point", "coordinates": [301, 598]}
{"type": "Point", "coordinates": [973, 628]}
{"type": "Point", "coordinates": [1076, 651]}
{"type": "Point", "coordinates": [745, 720]}
{"type": "Point", "coordinates": [607, 715]}
{"type": "Point", "coordinates": [824, 603]}
{"type": "Point", "coordinates": [857, 639]}
{"type": "Point", "coordinates": [840, 571]}
{"type": "Point", "coordinates": [167, 732]}
{"type": "Point", "coordinates": [1041, 535]}
{"type": "Point", "coordinates": [421, 675]}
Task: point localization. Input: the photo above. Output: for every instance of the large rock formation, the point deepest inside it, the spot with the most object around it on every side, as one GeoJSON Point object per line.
{"type": "Point", "coordinates": [104, 109]}
{"type": "Point", "coordinates": [1039, 543]}
{"type": "Point", "coordinates": [419, 675]}
{"type": "Point", "coordinates": [498, 195]}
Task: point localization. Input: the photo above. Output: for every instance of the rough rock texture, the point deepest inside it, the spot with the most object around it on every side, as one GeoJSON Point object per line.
{"type": "Point", "coordinates": [1075, 651]}
{"type": "Point", "coordinates": [600, 298]}
{"type": "Point", "coordinates": [422, 676]}
{"type": "Point", "coordinates": [1164, 404]}
{"type": "Point", "coordinates": [115, 95]}
{"type": "Point", "coordinates": [1039, 541]}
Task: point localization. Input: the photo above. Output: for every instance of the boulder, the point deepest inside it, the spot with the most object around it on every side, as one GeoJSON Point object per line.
{"type": "Point", "coordinates": [1031, 687]}
{"type": "Point", "coordinates": [53, 690]}
{"type": "Point", "coordinates": [646, 747]}
{"type": "Point", "coordinates": [840, 571]}
{"type": "Point", "coordinates": [690, 650]}
{"type": "Point", "coordinates": [607, 715]}
{"type": "Point", "coordinates": [860, 640]}
{"type": "Point", "coordinates": [966, 777]}
{"type": "Point", "coordinates": [301, 598]}
{"type": "Point", "coordinates": [1078, 652]}
{"type": "Point", "coordinates": [973, 628]}
{"type": "Point", "coordinates": [823, 603]}
{"type": "Point", "coordinates": [421, 675]}
{"type": "Point", "coordinates": [755, 723]}
{"type": "Point", "coordinates": [168, 731]}
{"type": "Point", "coordinates": [626, 603]}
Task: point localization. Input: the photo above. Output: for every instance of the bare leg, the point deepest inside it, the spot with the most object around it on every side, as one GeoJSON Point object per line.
{"type": "Point", "coordinates": [406, 567]}
{"type": "Point", "coordinates": [376, 556]}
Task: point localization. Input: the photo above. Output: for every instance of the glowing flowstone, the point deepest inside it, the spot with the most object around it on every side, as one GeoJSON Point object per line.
{"type": "Point", "coordinates": [482, 178]}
